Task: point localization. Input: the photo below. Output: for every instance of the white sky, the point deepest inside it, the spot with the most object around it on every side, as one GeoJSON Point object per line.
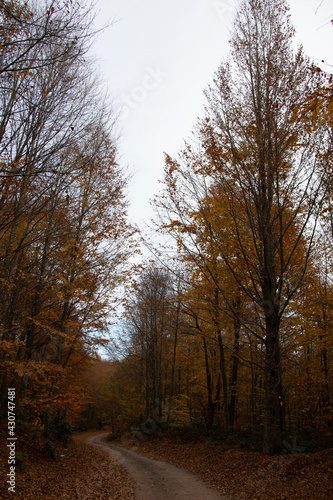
{"type": "Point", "coordinates": [156, 60]}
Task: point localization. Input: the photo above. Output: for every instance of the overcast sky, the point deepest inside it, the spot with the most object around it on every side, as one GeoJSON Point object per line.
{"type": "Point", "coordinates": [157, 58]}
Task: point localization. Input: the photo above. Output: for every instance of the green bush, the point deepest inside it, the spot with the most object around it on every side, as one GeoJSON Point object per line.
{"type": "Point", "coordinates": [51, 450]}
{"type": "Point", "coordinates": [310, 438]}
{"type": "Point", "coordinates": [56, 427]}
{"type": "Point", "coordinates": [21, 461]}
{"type": "Point", "coordinates": [114, 435]}
{"type": "Point", "coordinates": [187, 432]}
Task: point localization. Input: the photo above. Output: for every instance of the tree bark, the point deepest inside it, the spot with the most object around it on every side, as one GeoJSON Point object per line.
{"type": "Point", "coordinates": [274, 414]}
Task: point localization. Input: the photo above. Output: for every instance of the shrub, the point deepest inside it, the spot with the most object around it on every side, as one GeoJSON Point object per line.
{"type": "Point", "coordinates": [56, 427]}
{"type": "Point", "coordinates": [21, 461]}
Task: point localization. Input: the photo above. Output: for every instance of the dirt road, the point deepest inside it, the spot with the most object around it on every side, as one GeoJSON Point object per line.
{"type": "Point", "coordinates": [157, 480]}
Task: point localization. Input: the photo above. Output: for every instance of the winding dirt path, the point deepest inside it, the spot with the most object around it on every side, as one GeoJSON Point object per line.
{"type": "Point", "coordinates": [157, 480]}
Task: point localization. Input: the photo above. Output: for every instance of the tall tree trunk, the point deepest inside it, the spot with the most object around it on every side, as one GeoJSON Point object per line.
{"type": "Point", "coordinates": [209, 385]}
{"type": "Point", "coordinates": [234, 370]}
{"type": "Point", "coordinates": [274, 415]}
{"type": "Point", "coordinates": [224, 383]}
{"type": "Point", "coordinates": [173, 363]}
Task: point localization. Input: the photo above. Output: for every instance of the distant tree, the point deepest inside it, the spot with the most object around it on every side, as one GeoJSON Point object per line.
{"type": "Point", "coordinates": [150, 328]}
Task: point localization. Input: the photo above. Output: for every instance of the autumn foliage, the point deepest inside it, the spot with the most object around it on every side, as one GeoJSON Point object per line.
{"type": "Point", "coordinates": [228, 328]}
{"type": "Point", "coordinates": [241, 338]}
{"type": "Point", "coordinates": [64, 238]}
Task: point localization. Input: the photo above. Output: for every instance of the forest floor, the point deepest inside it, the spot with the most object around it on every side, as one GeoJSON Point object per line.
{"type": "Point", "coordinates": [240, 473]}
{"type": "Point", "coordinates": [158, 480]}
{"type": "Point", "coordinates": [84, 472]}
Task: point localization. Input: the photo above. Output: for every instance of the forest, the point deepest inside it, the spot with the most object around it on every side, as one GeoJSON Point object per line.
{"type": "Point", "coordinates": [224, 327]}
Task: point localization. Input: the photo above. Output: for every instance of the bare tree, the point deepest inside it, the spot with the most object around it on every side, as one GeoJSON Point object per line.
{"type": "Point", "coordinates": [151, 324]}
{"type": "Point", "coordinates": [28, 29]}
